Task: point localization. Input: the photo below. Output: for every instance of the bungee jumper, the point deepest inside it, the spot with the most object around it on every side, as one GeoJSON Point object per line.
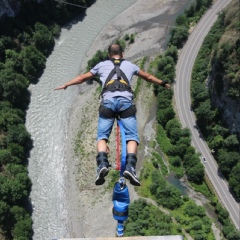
{"type": "Point", "coordinates": [117, 101]}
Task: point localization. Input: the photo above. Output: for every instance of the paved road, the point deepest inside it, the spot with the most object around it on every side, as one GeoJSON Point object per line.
{"type": "Point", "coordinates": [187, 117]}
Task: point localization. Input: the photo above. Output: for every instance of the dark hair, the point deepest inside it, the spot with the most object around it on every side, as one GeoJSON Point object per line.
{"type": "Point", "coordinates": [115, 49]}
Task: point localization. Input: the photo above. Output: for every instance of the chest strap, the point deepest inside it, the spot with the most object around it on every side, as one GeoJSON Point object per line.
{"type": "Point", "coordinates": [120, 82]}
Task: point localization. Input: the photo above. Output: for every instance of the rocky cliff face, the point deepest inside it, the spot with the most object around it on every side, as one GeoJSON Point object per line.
{"type": "Point", "coordinates": [10, 8]}
{"type": "Point", "coordinates": [229, 107]}
{"type": "Point", "coordinates": [224, 82]}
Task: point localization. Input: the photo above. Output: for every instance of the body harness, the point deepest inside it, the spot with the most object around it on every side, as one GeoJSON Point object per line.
{"type": "Point", "coordinates": [120, 83]}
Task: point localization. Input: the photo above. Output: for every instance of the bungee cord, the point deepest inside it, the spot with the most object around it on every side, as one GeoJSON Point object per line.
{"type": "Point", "coordinates": [76, 5]}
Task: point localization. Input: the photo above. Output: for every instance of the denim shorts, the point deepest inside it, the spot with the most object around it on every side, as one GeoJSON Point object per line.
{"type": "Point", "coordinates": [105, 125]}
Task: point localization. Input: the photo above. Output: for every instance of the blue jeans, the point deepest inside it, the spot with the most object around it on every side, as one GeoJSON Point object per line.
{"type": "Point", "coordinates": [105, 125]}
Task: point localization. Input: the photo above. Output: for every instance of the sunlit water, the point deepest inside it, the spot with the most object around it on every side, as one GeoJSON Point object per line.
{"type": "Point", "coordinates": [48, 115]}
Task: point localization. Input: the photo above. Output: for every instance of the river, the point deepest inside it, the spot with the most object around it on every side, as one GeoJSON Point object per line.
{"type": "Point", "coordinates": [47, 118]}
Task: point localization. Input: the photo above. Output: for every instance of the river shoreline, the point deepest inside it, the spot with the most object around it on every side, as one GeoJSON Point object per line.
{"type": "Point", "coordinates": [89, 207]}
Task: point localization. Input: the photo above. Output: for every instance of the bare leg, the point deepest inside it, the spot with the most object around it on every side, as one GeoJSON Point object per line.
{"type": "Point", "coordinates": [132, 147]}
{"type": "Point", "coordinates": [102, 146]}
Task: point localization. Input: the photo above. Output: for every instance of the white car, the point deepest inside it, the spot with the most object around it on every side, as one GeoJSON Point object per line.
{"type": "Point", "coordinates": [204, 159]}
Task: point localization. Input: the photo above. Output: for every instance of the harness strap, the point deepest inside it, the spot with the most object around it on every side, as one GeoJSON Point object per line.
{"type": "Point", "coordinates": [119, 214]}
{"type": "Point", "coordinates": [109, 113]}
{"type": "Point", "coordinates": [119, 84]}
{"type": "Point", "coordinates": [118, 71]}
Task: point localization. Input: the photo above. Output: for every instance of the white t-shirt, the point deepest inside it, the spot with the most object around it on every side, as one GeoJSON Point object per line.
{"type": "Point", "coordinates": [103, 70]}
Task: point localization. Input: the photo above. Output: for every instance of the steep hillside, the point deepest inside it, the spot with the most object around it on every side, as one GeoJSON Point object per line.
{"type": "Point", "coordinates": [215, 91]}
{"type": "Point", "coordinates": [224, 81]}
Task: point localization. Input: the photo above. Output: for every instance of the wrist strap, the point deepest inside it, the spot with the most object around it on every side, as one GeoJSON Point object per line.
{"type": "Point", "coordinates": [164, 83]}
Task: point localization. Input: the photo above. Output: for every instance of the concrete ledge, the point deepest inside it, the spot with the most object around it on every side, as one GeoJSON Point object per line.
{"type": "Point", "coordinates": [177, 237]}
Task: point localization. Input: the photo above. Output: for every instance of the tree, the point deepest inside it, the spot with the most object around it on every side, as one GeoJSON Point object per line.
{"type": "Point", "coordinates": [196, 173]}
{"type": "Point", "coordinates": [10, 116]}
{"type": "Point", "coordinates": [18, 134]}
{"type": "Point", "coordinates": [186, 141]}
{"type": "Point", "coordinates": [233, 235]}
{"type": "Point", "coordinates": [234, 180]}
{"type": "Point", "coordinates": [173, 123]}
{"type": "Point", "coordinates": [175, 135]}
{"type": "Point", "coordinates": [33, 62]}
{"type": "Point", "coordinates": [182, 20]}
{"type": "Point", "coordinates": [227, 160]}
{"type": "Point", "coordinates": [179, 36]}
{"type": "Point", "coordinates": [231, 143]}
{"type": "Point", "coordinates": [157, 182]}
{"type": "Point", "coordinates": [190, 151]}
{"type": "Point", "coordinates": [132, 39]}
{"type": "Point", "coordinates": [190, 159]}
{"type": "Point", "coordinates": [169, 197]}
{"type": "Point", "coordinates": [220, 130]}
{"type": "Point", "coordinates": [13, 88]}
{"type": "Point", "coordinates": [23, 229]}
{"type": "Point", "coordinates": [17, 152]}
{"type": "Point", "coordinates": [186, 132]}
{"type": "Point", "coordinates": [164, 115]}
{"type": "Point", "coordinates": [176, 161]}
{"type": "Point", "coordinates": [191, 209]}
{"type": "Point", "coordinates": [4, 212]}
{"type": "Point", "coordinates": [13, 61]}
{"type": "Point", "coordinates": [5, 43]}
{"type": "Point", "coordinates": [204, 113]}
{"type": "Point", "coordinates": [147, 220]}
{"type": "Point", "coordinates": [162, 104]}
{"type": "Point", "coordinates": [178, 150]}
{"type": "Point", "coordinates": [217, 142]}
{"type": "Point", "coordinates": [5, 156]}
{"type": "Point", "coordinates": [199, 93]}
{"type": "Point", "coordinates": [14, 184]}
{"type": "Point", "coordinates": [43, 39]}
{"type": "Point", "coordinates": [166, 66]}
{"type": "Point", "coordinates": [222, 213]}
{"type": "Point", "coordinates": [173, 151]}
{"type": "Point", "coordinates": [197, 225]}
{"type": "Point", "coordinates": [18, 213]}
{"type": "Point", "coordinates": [172, 51]}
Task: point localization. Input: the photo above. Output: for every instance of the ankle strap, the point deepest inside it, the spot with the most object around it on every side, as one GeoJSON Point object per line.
{"type": "Point", "coordinates": [131, 159]}
{"type": "Point", "coordinates": [102, 157]}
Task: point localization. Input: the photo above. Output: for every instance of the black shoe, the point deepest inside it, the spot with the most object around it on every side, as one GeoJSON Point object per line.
{"type": "Point", "coordinates": [102, 170]}
{"type": "Point", "coordinates": [130, 174]}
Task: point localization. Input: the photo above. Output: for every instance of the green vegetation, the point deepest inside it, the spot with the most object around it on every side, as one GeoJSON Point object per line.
{"type": "Point", "coordinates": [194, 220]}
{"type": "Point", "coordinates": [129, 38]}
{"type": "Point", "coordinates": [25, 43]}
{"type": "Point", "coordinates": [218, 60]}
{"type": "Point", "coordinates": [139, 80]}
{"type": "Point", "coordinates": [23, 54]}
{"type": "Point", "coordinates": [146, 219]}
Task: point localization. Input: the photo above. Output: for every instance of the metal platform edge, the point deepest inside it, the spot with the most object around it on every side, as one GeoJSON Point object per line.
{"type": "Point", "coordinates": [170, 237]}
